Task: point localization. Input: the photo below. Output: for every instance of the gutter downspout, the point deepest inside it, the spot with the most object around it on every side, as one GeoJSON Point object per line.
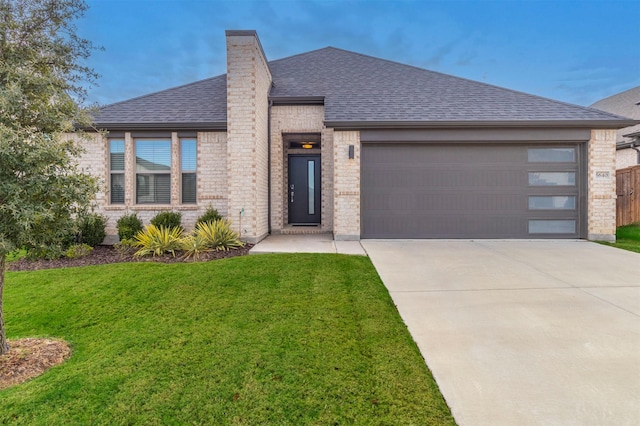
{"type": "Point", "coordinates": [636, 150]}
{"type": "Point", "coordinates": [269, 166]}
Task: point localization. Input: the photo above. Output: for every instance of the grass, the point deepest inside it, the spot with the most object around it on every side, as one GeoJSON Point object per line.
{"type": "Point", "coordinates": [627, 238]}
{"type": "Point", "coordinates": [289, 339]}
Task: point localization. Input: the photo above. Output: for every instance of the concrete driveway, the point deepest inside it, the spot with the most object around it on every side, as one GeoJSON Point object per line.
{"type": "Point", "coordinates": [522, 333]}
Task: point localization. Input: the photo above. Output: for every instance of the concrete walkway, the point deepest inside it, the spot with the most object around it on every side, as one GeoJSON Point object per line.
{"type": "Point", "coordinates": [522, 333]}
{"type": "Point", "coordinates": [307, 243]}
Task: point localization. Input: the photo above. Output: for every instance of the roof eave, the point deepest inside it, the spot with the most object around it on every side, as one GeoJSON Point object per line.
{"type": "Point", "coordinates": [297, 100]}
{"type": "Point", "coordinates": [592, 124]}
{"type": "Point", "coordinates": [217, 126]}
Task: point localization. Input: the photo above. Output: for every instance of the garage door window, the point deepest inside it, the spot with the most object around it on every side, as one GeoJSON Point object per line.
{"type": "Point", "coordinates": [552, 178]}
{"type": "Point", "coordinates": [551, 155]}
{"type": "Point", "coordinates": [552, 202]}
{"type": "Point", "coordinates": [552, 226]}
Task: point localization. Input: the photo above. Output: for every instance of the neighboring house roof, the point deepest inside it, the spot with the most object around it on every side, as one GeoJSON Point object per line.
{"type": "Point", "coordinates": [627, 104]}
{"type": "Point", "coordinates": [358, 91]}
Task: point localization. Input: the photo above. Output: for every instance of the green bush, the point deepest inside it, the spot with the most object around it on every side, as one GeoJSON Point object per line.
{"type": "Point", "coordinates": [91, 229]}
{"type": "Point", "coordinates": [128, 226]}
{"type": "Point", "coordinates": [157, 241]}
{"type": "Point", "coordinates": [209, 215]}
{"type": "Point", "coordinates": [167, 219]}
{"type": "Point", "coordinates": [46, 251]}
{"type": "Point", "coordinates": [218, 235]}
{"type": "Point", "coordinates": [78, 250]}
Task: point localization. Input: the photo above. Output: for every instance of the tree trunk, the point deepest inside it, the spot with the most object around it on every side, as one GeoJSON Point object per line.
{"type": "Point", "coordinates": [4, 345]}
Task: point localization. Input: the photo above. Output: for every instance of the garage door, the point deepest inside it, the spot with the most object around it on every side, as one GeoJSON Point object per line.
{"type": "Point", "coordinates": [471, 191]}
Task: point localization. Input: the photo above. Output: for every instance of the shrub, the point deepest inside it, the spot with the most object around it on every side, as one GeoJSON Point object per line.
{"type": "Point", "coordinates": [194, 246]}
{"type": "Point", "coordinates": [91, 229]}
{"type": "Point", "coordinates": [128, 226]}
{"type": "Point", "coordinates": [167, 219]}
{"type": "Point", "coordinates": [47, 251]}
{"type": "Point", "coordinates": [157, 241]}
{"type": "Point", "coordinates": [78, 250]}
{"type": "Point", "coordinates": [218, 234]}
{"type": "Point", "coordinates": [209, 215]}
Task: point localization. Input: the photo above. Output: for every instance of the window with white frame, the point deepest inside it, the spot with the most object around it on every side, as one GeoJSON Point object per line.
{"type": "Point", "coordinates": [188, 166]}
{"type": "Point", "coordinates": [153, 171]}
{"type": "Point", "coordinates": [116, 167]}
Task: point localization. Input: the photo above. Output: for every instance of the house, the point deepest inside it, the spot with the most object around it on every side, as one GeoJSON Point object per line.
{"type": "Point", "coordinates": [627, 104]}
{"type": "Point", "coordinates": [343, 143]}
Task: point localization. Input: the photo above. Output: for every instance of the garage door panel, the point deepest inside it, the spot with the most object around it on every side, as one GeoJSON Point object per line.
{"type": "Point", "coordinates": [467, 191]}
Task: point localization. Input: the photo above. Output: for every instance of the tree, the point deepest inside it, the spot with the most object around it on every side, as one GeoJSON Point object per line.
{"type": "Point", "coordinates": [41, 96]}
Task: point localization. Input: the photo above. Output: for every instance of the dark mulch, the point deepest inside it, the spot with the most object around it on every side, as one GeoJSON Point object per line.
{"type": "Point", "coordinates": [101, 255]}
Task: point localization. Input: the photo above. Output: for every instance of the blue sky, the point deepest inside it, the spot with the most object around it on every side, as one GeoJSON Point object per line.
{"type": "Point", "coordinates": [573, 51]}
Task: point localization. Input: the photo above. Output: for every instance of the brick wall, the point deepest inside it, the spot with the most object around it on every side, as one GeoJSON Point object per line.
{"type": "Point", "coordinates": [248, 84]}
{"type": "Point", "coordinates": [211, 179]}
{"type": "Point", "coordinates": [601, 208]}
{"type": "Point", "coordinates": [296, 119]}
{"type": "Point", "coordinates": [346, 182]}
{"type": "Point", "coordinates": [626, 158]}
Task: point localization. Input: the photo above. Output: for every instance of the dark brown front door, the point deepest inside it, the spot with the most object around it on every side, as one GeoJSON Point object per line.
{"type": "Point", "coordinates": [303, 190]}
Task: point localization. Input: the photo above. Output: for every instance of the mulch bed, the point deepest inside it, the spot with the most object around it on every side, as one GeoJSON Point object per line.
{"type": "Point", "coordinates": [28, 358]}
{"type": "Point", "coordinates": [102, 255]}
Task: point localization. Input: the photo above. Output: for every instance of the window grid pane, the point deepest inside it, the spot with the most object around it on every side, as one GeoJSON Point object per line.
{"type": "Point", "coordinates": [116, 155]}
{"type": "Point", "coordinates": [117, 188]}
{"type": "Point", "coordinates": [551, 155]}
{"type": "Point", "coordinates": [552, 178]}
{"type": "Point", "coordinates": [188, 188]}
{"type": "Point", "coordinates": [153, 188]}
{"type": "Point", "coordinates": [153, 155]}
{"type": "Point", "coordinates": [552, 202]}
{"type": "Point", "coordinates": [188, 155]}
{"type": "Point", "coordinates": [552, 226]}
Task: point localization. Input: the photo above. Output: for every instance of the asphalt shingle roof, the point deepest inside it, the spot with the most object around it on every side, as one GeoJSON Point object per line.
{"type": "Point", "coordinates": [627, 104]}
{"type": "Point", "coordinates": [356, 89]}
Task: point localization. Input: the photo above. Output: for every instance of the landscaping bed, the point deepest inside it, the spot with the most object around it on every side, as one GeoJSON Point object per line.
{"type": "Point", "coordinates": [101, 255]}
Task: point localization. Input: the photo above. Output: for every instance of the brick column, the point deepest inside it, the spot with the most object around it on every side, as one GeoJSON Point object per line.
{"type": "Point", "coordinates": [601, 222]}
{"type": "Point", "coordinates": [346, 186]}
{"type": "Point", "coordinates": [248, 85]}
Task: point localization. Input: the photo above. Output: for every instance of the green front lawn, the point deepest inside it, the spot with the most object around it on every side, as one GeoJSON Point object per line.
{"type": "Point", "coordinates": [627, 238]}
{"type": "Point", "coordinates": [270, 339]}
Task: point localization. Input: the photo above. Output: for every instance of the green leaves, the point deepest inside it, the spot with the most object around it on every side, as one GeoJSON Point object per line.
{"type": "Point", "coordinates": [157, 241]}
{"type": "Point", "coordinates": [41, 90]}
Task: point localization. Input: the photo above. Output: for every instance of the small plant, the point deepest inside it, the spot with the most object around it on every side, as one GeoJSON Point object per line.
{"type": "Point", "coordinates": [125, 246]}
{"type": "Point", "coordinates": [157, 241]}
{"type": "Point", "coordinates": [91, 229]}
{"type": "Point", "coordinates": [167, 219]}
{"type": "Point", "coordinates": [78, 250]}
{"type": "Point", "coordinates": [128, 226]}
{"type": "Point", "coordinates": [219, 235]}
{"type": "Point", "coordinates": [209, 215]}
{"type": "Point", "coordinates": [194, 246]}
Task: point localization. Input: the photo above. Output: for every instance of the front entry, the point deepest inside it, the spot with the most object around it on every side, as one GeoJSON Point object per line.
{"type": "Point", "coordinates": [303, 190]}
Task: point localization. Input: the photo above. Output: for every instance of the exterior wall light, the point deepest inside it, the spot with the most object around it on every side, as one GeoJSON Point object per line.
{"type": "Point", "coordinates": [351, 152]}
{"type": "Point", "coordinates": [307, 146]}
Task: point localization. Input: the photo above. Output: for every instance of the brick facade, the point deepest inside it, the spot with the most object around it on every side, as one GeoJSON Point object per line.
{"type": "Point", "coordinates": [211, 175]}
{"type": "Point", "coordinates": [346, 186]}
{"type": "Point", "coordinates": [242, 171]}
{"type": "Point", "coordinates": [601, 181]}
{"type": "Point", "coordinates": [626, 158]}
{"type": "Point", "coordinates": [298, 119]}
{"type": "Point", "coordinates": [248, 85]}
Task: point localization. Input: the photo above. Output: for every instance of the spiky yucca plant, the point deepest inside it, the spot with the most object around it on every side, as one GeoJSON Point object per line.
{"type": "Point", "coordinates": [194, 246]}
{"type": "Point", "coordinates": [218, 234]}
{"type": "Point", "coordinates": [157, 241]}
